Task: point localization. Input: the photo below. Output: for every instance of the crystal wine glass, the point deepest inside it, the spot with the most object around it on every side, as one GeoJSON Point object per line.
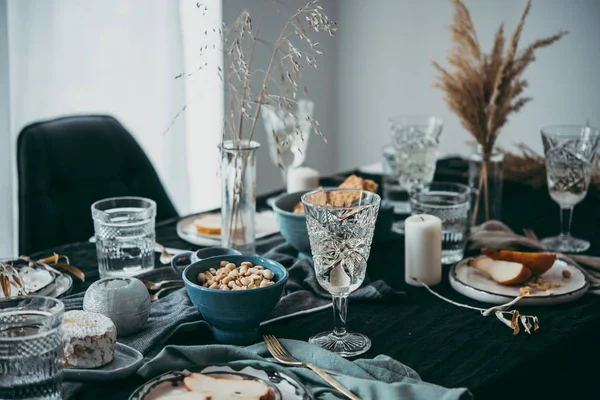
{"type": "Point", "coordinates": [340, 226]}
{"type": "Point", "coordinates": [570, 152]}
{"type": "Point", "coordinates": [415, 139]}
{"type": "Point", "coordinates": [287, 134]}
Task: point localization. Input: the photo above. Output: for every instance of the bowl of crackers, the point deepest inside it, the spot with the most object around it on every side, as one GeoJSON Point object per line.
{"type": "Point", "coordinates": [292, 221]}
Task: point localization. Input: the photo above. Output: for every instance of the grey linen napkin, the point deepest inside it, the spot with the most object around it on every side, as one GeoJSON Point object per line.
{"type": "Point", "coordinates": [302, 295]}
{"type": "Point", "coordinates": [378, 378]}
{"type": "Point", "coordinates": [496, 235]}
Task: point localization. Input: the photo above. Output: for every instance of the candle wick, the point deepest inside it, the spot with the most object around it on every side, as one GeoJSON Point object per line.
{"type": "Point", "coordinates": [422, 219]}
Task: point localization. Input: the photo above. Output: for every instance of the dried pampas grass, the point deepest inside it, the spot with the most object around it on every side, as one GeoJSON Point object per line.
{"type": "Point", "coordinates": [484, 89]}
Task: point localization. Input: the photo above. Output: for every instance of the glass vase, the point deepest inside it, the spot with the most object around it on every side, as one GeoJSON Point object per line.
{"type": "Point", "coordinates": [238, 194]}
{"type": "Point", "coordinates": [485, 178]}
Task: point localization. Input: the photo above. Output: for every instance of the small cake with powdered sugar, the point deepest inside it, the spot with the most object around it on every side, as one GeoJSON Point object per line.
{"type": "Point", "coordinates": [89, 339]}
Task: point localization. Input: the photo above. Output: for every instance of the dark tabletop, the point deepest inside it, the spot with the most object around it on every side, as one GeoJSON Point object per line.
{"type": "Point", "coordinates": [447, 345]}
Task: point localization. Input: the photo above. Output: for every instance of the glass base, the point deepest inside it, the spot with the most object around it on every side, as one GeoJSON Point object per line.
{"type": "Point", "coordinates": [349, 345]}
{"type": "Point", "coordinates": [398, 227]}
{"type": "Point", "coordinates": [566, 244]}
{"type": "Point", "coordinates": [452, 256]}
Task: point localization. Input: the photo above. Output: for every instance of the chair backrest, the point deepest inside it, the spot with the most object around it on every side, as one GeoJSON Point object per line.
{"type": "Point", "coordinates": [65, 165]}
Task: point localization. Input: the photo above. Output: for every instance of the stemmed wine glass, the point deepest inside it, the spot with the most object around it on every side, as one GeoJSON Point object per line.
{"type": "Point", "coordinates": [570, 152]}
{"type": "Point", "coordinates": [287, 134]}
{"type": "Point", "coordinates": [415, 140]}
{"type": "Point", "coordinates": [340, 226]}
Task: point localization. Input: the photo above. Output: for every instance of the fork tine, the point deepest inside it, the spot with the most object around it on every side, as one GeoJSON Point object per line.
{"type": "Point", "coordinates": [275, 347]}
{"type": "Point", "coordinates": [269, 342]}
{"type": "Point", "coordinates": [282, 349]}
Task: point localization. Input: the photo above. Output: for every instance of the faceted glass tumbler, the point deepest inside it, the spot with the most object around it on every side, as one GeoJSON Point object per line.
{"type": "Point", "coordinates": [340, 226]}
{"type": "Point", "coordinates": [450, 202]}
{"type": "Point", "coordinates": [125, 236]}
{"type": "Point", "coordinates": [31, 348]}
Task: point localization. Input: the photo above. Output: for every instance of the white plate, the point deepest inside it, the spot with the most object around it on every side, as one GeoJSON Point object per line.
{"type": "Point", "coordinates": [286, 387]}
{"type": "Point", "coordinates": [476, 285]}
{"type": "Point", "coordinates": [266, 224]}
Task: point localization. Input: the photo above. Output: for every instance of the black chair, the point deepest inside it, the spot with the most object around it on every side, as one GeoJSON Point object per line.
{"type": "Point", "coordinates": [65, 165]}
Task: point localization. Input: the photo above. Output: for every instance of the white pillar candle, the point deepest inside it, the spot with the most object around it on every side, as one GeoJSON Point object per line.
{"type": "Point", "coordinates": [423, 249]}
{"type": "Point", "coordinates": [301, 178]}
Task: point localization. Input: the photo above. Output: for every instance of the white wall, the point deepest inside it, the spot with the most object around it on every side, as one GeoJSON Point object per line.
{"type": "Point", "coordinates": [113, 57]}
{"type": "Point", "coordinates": [6, 145]}
{"type": "Point", "coordinates": [385, 49]}
{"type": "Point", "coordinates": [320, 83]}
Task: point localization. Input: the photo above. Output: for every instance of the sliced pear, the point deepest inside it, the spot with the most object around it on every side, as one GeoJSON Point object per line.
{"type": "Point", "coordinates": [538, 263]}
{"type": "Point", "coordinates": [221, 389]}
{"type": "Point", "coordinates": [504, 272]}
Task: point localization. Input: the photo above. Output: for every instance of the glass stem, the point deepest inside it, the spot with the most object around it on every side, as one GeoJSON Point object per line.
{"type": "Point", "coordinates": [284, 172]}
{"type": "Point", "coordinates": [340, 308]}
{"type": "Point", "coordinates": [566, 214]}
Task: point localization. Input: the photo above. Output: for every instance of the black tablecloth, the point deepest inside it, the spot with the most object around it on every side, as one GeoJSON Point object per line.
{"type": "Point", "coordinates": [447, 345]}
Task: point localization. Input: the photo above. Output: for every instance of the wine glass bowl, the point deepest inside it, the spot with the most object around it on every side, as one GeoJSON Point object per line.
{"type": "Point", "coordinates": [413, 155]}
{"type": "Point", "coordinates": [340, 225]}
{"type": "Point", "coordinates": [570, 153]}
{"type": "Point", "coordinates": [287, 134]}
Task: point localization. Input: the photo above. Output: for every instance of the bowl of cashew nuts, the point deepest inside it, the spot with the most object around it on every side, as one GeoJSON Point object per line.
{"type": "Point", "coordinates": [235, 293]}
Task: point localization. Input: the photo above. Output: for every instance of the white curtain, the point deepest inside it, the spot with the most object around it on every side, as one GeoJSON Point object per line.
{"type": "Point", "coordinates": [120, 57]}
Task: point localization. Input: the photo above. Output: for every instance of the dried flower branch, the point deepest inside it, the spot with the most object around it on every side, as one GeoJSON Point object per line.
{"type": "Point", "coordinates": [52, 261]}
{"type": "Point", "coordinates": [282, 75]}
{"type": "Point", "coordinates": [280, 78]}
{"type": "Point", "coordinates": [529, 322]}
{"type": "Point", "coordinates": [484, 89]}
{"type": "Point", "coordinates": [9, 273]}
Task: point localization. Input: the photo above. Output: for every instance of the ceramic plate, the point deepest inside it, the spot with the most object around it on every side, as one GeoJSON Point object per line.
{"type": "Point", "coordinates": [285, 387]}
{"type": "Point", "coordinates": [36, 281]}
{"type": "Point", "coordinates": [473, 283]}
{"type": "Point", "coordinates": [126, 362]}
{"type": "Point", "coordinates": [266, 224]}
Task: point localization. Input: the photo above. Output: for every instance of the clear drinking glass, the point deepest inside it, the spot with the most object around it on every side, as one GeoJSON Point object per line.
{"type": "Point", "coordinates": [31, 348]}
{"type": "Point", "coordinates": [340, 226]}
{"type": "Point", "coordinates": [571, 152]}
{"type": "Point", "coordinates": [125, 237]}
{"type": "Point", "coordinates": [393, 193]}
{"type": "Point", "coordinates": [450, 202]}
{"type": "Point", "coordinates": [415, 139]}
{"type": "Point", "coordinates": [238, 195]}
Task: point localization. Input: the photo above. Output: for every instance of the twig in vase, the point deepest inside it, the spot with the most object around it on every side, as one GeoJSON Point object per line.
{"type": "Point", "coordinates": [238, 44]}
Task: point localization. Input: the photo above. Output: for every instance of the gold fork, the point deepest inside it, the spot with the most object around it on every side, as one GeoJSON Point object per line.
{"type": "Point", "coordinates": [284, 357]}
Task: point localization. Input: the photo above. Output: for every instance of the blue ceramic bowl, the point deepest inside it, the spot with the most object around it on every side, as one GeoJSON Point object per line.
{"type": "Point", "coordinates": [235, 315]}
{"type": "Point", "coordinates": [292, 226]}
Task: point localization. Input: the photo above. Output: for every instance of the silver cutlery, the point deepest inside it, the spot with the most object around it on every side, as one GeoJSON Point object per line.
{"type": "Point", "coordinates": [165, 257]}
{"type": "Point", "coordinates": [284, 357]}
{"type": "Point", "coordinates": [157, 285]}
{"type": "Point", "coordinates": [156, 296]}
